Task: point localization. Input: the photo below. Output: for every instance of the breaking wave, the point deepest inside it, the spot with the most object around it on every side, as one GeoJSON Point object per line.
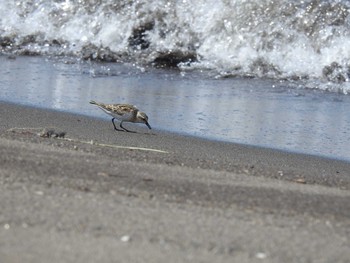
{"type": "Point", "coordinates": [306, 41]}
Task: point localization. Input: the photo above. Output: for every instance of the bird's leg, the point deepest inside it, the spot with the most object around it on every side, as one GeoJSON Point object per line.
{"type": "Point", "coordinates": [121, 126]}
{"type": "Point", "coordinates": [114, 126]}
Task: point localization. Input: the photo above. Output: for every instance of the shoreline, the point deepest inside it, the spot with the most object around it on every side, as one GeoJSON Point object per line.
{"type": "Point", "coordinates": [185, 135]}
{"type": "Point", "coordinates": [226, 156]}
{"type": "Point", "coordinates": [97, 195]}
{"type": "Point", "coordinates": [259, 114]}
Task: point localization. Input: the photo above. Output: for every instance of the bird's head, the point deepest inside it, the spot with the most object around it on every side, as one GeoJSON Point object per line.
{"type": "Point", "coordinates": [143, 118]}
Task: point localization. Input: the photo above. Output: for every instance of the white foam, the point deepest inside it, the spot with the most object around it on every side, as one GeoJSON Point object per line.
{"type": "Point", "coordinates": [279, 39]}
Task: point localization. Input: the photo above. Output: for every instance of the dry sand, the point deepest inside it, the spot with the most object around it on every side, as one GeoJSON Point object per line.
{"type": "Point", "coordinates": [97, 195]}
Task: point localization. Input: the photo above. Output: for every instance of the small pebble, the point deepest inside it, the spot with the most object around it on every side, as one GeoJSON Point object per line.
{"type": "Point", "coordinates": [125, 238]}
{"type": "Point", "coordinates": [261, 255]}
{"type": "Point", "coordinates": [50, 133]}
{"type": "Point", "coordinates": [46, 133]}
{"type": "Point", "coordinates": [300, 181]}
{"type": "Point", "coordinates": [61, 134]}
{"type": "Point", "coordinates": [103, 174]}
{"type": "Point", "coordinates": [7, 226]}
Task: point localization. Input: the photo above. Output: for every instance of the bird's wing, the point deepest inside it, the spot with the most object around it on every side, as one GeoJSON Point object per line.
{"type": "Point", "coordinates": [121, 109]}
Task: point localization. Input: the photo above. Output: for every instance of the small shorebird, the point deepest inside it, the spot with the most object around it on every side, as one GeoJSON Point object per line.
{"type": "Point", "coordinates": [123, 113]}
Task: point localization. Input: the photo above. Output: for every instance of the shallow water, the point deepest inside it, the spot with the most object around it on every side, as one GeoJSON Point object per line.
{"type": "Point", "coordinates": [250, 111]}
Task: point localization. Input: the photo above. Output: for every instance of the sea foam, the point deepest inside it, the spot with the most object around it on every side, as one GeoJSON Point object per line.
{"type": "Point", "coordinates": [282, 39]}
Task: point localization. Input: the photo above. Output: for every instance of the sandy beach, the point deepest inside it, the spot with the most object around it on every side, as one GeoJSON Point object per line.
{"type": "Point", "coordinates": [97, 195]}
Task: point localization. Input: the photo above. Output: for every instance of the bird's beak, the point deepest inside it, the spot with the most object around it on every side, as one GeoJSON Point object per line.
{"type": "Point", "coordinates": [149, 126]}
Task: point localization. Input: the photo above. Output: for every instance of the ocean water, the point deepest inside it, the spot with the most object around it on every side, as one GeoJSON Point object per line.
{"type": "Point", "coordinates": [269, 73]}
{"type": "Point", "coordinates": [280, 39]}
{"type": "Point", "coordinates": [255, 111]}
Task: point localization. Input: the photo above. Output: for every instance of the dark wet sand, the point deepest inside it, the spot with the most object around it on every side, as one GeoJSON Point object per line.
{"type": "Point", "coordinates": [89, 197]}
